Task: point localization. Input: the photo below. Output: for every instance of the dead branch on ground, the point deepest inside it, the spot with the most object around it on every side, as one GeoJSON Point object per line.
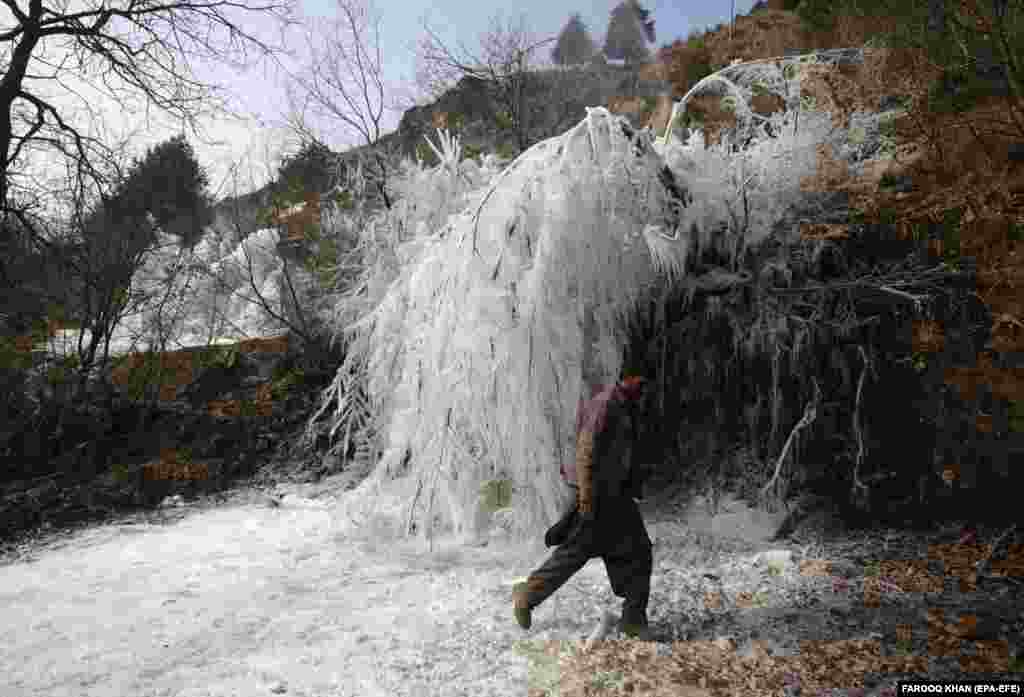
{"type": "Point", "coordinates": [810, 414]}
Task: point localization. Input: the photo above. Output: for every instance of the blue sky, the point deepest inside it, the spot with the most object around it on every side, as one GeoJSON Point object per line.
{"type": "Point", "coordinates": [259, 94]}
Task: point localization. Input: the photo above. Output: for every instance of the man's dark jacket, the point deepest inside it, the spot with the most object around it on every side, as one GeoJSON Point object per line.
{"type": "Point", "coordinates": [615, 475]}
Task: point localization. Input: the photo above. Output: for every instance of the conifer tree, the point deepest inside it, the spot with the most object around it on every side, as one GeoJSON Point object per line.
{"type": "Point", "coordinates": [574, 45]}
{"type": "Point", "coordinates": [629, 31]}
{"type": "Point", "coordinates": [169, 183]}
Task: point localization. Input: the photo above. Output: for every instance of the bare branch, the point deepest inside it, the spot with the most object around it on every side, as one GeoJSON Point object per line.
{"type": "Point", "coordinates": [810, 414]}
{"type": "Point", "coordinates": [346, 78]}
{"type": "Point", "coordinates": [146, 53]}
{"type": "Point", "coordinates": [505, 63]}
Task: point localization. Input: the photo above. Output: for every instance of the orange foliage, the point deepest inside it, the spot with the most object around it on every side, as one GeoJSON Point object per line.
{"type": "Point", "coordinates": [273, 344]}
{"type": "Point", "coordinates": [295, 221]}
{"type": "Point", "coordinates": [175, 366]}
{"type": "Point", "coordinates": [954, 161]}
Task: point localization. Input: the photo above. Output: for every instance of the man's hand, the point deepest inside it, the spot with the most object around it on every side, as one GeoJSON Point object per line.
{"type": "Point", "coordinates": [558, 533]}
{"type": "Point", "coordinates": [584, 473]}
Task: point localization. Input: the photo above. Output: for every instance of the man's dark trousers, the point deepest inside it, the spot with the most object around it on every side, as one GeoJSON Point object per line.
{"type": "Point", "coordinates": [618, 536]}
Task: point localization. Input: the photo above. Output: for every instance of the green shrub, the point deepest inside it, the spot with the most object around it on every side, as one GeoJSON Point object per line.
{"type": "Point", "coordinates": [496, 494]}
{"type": "Point", "coordinates": [285, 380]}
{"type": "Point", "coordinates": [143, 375]}
{"type": "Point", "coordinates": [696, 72]}
{"type": "Point", "coordinates": [425, 153]}
{"type": "Point", "coordinates": [887, 127]}
{"type": "Point", "coordinates": [918, 231]}
{"type": "Point", "coordinates": [344, 200]}
{"type": "Point", "coordinates": [61, 370]}
{"type": "Point", "coordinates": [247, 408]}
{"type": "Point", "coordinates": [1016, 416]}
{"type": "Point", "coordinates": [11, 358]}
{"type": "Point", "coordinates": [506, 151]}
{"type": "Point", "coordinates": [471, 152]}
{"type": "Point", "coordinates": [816, 15]}
{"type": "Point", "coordinates": [120, 472]}
{"type": "Point", "coordinates": [951, 235]}
{"type": "Point", "coordinates": [886, 215]}
{"type": "Point", "coordinates": [504, 121]}
{"type": "Point", "coordinates": [220, 356]}
{"type": "Point", "coordinates": [680, 123]}
{"type": "Point", "coordinates": [323, 262]}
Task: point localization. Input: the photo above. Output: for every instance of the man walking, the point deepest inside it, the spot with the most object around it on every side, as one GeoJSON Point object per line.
{"type": "Point", "coordinates": [604, 520]}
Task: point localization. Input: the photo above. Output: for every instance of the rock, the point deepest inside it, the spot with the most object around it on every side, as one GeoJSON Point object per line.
{"type": "Point", "coordinates": [775, 556]}
{"type": "Point", "coordinates": [172, 502]}
{"type": "Point", "coordinates": [890, 102]}
{"type": "Point", "coordinates": [210, 384]}
{"type": "Point", "coordinates": [900, 184]}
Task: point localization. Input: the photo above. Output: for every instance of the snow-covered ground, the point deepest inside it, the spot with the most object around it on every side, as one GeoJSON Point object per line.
{"type": "Point", "coordinates": [249, 599]}
{"type": "Point", "coordinates": [65, 340]}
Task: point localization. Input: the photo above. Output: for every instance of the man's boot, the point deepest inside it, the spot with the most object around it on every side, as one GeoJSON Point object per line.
{"type": "Point", "coordinates": [521, 600]}
{"type": "Point", "coordinates": [634, 621]}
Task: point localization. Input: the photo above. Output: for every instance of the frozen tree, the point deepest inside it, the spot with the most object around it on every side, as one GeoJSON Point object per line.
{"type": "Point", "coordinates": [489, 293]}
{"type": "Point", "coordinates": [574, 45]}
{"type": "Point", "coordinates": [345, 82]}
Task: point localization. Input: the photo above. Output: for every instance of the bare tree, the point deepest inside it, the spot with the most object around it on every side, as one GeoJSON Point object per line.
{"type": "Point", "coordinates": [504, 62]}
{"type": "Point", "coordinates": [141, 44]}
{"type": "Point", "coordinates": [345, 81]}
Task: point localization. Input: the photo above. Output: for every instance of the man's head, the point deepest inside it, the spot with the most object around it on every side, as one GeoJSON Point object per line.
{"type": "Point", "coordinates": [633, 382]}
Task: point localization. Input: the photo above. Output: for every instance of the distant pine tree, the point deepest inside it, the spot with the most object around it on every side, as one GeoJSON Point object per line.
{"type": "Point", "coordinates": [629, 31]}
{"type": "Point", "coordinates": [170, 184]}
{"type": "Point", "coordinates": [574, 45]}
{"type": "Point", "coordinates": [645, 21]}
{"type": "Point", "coordinates": [311, 169]}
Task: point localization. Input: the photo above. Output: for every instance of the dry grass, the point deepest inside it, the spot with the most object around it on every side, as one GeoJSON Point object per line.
{"type": "Point", "coordinates": [956, 162]}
